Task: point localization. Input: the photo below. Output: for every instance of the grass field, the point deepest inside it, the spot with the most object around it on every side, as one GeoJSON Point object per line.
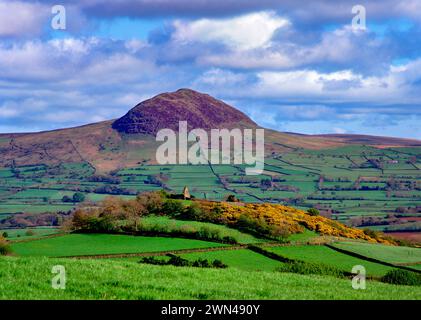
{"type": "Point", "coordinates": [29, 233]}
{"type": "Point", "coordinates": [325, 255]}
{"type": "Point", "coordinates": [352, 186]}
{"type": "Point", "coordinates": [243, 259]}
{"type": "Point", "coordinates": [390, 254]}
{"type": "Point", "coordinates": [172, 224]}
{"type": "Point", "coordinates": [97, 244]}
{"type": "Point", "coordinates": [30, 278]}
{"type": "Point", "coordinates": [307, 235]}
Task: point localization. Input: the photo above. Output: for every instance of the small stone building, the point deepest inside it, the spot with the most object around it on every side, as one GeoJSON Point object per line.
{"type": "Point", "coordinates": [186, 193]}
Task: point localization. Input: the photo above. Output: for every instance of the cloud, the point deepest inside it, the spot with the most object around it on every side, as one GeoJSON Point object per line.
{"type": "Point", "coordinates": [304, 112]}
{"type": "Point", "coordinates": [314, 12]}
{"type": "Point", "coordinates": [22, 19]}
{"type": "Point", "coordinates": [289, 66]}
{"type": "Point", "coordinates": [339, 130]}
{"type": "Point", "coordinates": [249, 31]}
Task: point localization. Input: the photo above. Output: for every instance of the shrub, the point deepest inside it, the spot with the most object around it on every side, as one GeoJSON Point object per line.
{"type": "Point", "coordinates": [180, 262]}
{"type": "Point", "coordinates": [402, 277]}
{"type": "Point", "coordinates": [229, 239]}
{"type": "Point", "coordinates": [152, 201]}
{"type": "Point", "coordinates": [5, 235]}
{"type": "Point", "coordinates": [153, 260]}
{"type": "Point", "coordinates": [313, 212]}
{"type": "Point", "coordinates": [371, 233]}
{"type": "Point", "coordinates": [201, 263]}
{"type": "Point", "coordinates": [173, 208]}
{"type": "Point", "coordinates": [193, 212]}
{"type": "Point", "coordinates": [218, 264]}
{"type": "Point", "coordinates": [78, 197]}
{"type": "Point", "coordinates": [29, 233]}
{"type": "Point", "coordinates": [232, 198]}
{"type": "Point", "coordinates": [66, 199]}
{"type": "Point", "coordinates": [4, 247]}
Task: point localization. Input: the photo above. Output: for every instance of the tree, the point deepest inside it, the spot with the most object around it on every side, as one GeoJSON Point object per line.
{"type": "Point", "coordinates": [193, 212]}
{"type": "Point", "coordinates": [112, 207]}
{"type": "Point", "coordinates": [29, 233]}
{"type": "Point", "coordinates": [4, 247]}
{"type": "Point", "coordinates": [152, 201]}
{"type": "Point", "coordinates": [173, 208]}
{"type": "Point", "coordinates": [313, 212]}
{"type": "Point", "coordinates": [232, 198]}
{"type": "Point", "coordinates": [134, 210]}
{"type": "Point", "coordinates": [78, 197]}
{"type": "Point", "coordinates": [66, 199]}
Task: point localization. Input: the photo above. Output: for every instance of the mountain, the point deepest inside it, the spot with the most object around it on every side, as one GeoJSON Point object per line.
{"type": "Point", "coordinates": [167, 109]}
{"type": "Point", "coordinates": [130, 140]}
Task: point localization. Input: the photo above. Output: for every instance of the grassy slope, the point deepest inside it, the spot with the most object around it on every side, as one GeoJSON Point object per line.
{"type": "Point", "coordinates": [322, 254]}
{"type": "Point", "coordinates": [172, 224]}
{"type": "Point", "coordinates": [30, 278]}
{"type": "Point", "coordinates": [93, 244]}
{"type": "Point", "coordinates": [389, 254]}
{"type": "Point", "coordinates": [307, 235]}
{"type": "Point", "coordinates": [240, 259]}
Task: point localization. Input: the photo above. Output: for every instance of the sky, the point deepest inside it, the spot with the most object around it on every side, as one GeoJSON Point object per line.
{"type": "Point", "coordinates": [295, 66]}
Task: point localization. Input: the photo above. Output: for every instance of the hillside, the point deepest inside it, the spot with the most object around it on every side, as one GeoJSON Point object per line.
{"type": "Point", "coordinates": [167, 109]}
{"type": "Point", "coordinates": [130, 140]}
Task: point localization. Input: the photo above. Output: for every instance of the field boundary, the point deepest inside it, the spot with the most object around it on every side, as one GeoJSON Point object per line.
{"type": "Point", "coordinates": [357, 255]}
{"type": "Point", "coordinates": [155, 253]}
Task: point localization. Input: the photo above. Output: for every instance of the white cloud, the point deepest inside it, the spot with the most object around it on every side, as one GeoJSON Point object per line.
{"type": "Point", "coordinates": [339, 130]}
{"type": "Point", "coordinates": [396, 86]}
{"type": "Point", "coordinates": [249, 31]}
{"type": "Point", "coordinates": [252, 59]}
{"type": "Point", "coordinates": [219, 77]}
{"type": "Point", "coordinates": [22, 18]}
{"type": "Point", "coordinates": [306, 112]}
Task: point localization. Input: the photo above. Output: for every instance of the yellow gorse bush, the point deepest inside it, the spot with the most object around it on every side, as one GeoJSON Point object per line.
{"type": "Point", "coordinates": [287, 217]}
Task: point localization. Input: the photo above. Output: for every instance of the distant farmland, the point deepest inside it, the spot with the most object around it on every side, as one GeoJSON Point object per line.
{"type": "Point", "coordinates": [358, 185]}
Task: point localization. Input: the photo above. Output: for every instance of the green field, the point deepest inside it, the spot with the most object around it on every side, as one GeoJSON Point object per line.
{"type": "Point", "coordinates": [356, 185]}
{"type": "Point", "coordinates": [30, 278]}
{"type": "Point", "coordinates": [243, 259]}
{"type": "Point", "coordinates": [22, 234]}
{"type": "Point", "coordinates": [307, 235]}
{"type": "Point", "coordinates": [325, 255]}
{"type": "Point", "coordinates": [97, 244]}
{"type": "Point", "coordinates": [172, 224]}
{"type": "Point", "coordinates": [390, 254]}
{"type": "Point", "coordinates": [349, 182]}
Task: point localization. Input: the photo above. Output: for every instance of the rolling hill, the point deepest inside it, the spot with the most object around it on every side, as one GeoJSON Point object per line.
{"type": "Point", "coordinates": [130, 140]}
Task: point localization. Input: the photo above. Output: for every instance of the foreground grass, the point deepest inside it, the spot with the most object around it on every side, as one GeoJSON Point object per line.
{"type": "Point", "coordinates": [30, 278]}
{"type": "Point", "coordinates": [96, 244]}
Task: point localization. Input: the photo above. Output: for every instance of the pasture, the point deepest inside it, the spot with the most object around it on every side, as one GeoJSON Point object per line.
{"type": "Point", "coordinates": [102, 244]}
{"type": "Point", "coordinates": [390, 254]}
{"type": "Point", "coordinates": [242, 259]}
{"type": "Point", "coordinates": [30, 278]}
{"type": "Point", "coordinates": [328, 256]}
